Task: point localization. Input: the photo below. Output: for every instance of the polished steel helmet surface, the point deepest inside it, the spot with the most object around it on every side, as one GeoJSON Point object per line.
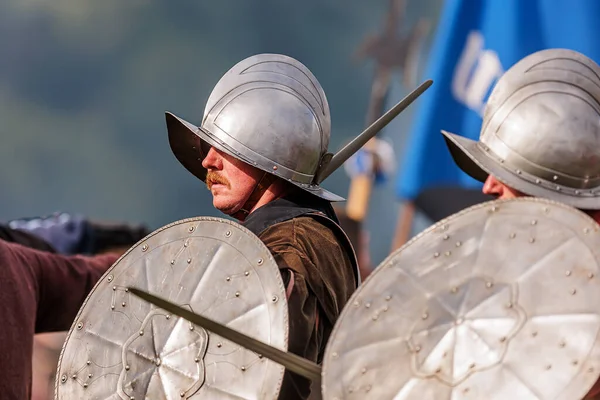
{"type": "Point", "coordinates": [499, 301]}
{"type": "Point", "coordinates": [121, 347]}
{"type": "Point", "coordinates": [269, 111]}
{"type": "Point", "coordinates": [541, 130]}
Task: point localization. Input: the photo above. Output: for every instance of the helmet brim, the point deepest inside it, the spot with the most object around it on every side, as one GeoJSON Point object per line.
{"type": "Point", "coordinates": [472, 158]}
{"type": "Point", "coordinates": [189, 143]}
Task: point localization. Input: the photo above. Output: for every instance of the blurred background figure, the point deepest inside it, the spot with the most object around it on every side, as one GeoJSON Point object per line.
{"type": "Point", "coordinates": [66, 234]}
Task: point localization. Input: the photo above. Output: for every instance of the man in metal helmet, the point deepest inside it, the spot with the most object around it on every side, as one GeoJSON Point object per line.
{"type": "Point", "coordinates": [263, 136]}
{"type": "Point", "coordinates": [540, 134]}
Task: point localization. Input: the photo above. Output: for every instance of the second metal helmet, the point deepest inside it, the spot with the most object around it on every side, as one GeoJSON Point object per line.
{"type": "Point", "coordinates": [541, 130]}
{"type": "Point", "coordinates": [268, 111]}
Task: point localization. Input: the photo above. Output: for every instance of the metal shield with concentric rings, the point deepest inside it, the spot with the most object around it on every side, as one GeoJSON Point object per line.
{"type": "Point", "coordinates": [121, 347]}
{"type": "Point", "coordinates": [499, 301]}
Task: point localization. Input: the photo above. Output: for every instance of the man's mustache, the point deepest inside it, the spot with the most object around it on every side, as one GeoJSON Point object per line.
{"type": "Point", "coordinates": [214, 178]}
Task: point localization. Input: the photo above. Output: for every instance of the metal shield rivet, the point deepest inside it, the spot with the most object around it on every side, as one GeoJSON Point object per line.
{"type": "Point", "coordinates": [144, 247]}
{"type": "Point", "coordinates": [189, 260]}
{"type": "Point", "coordinates": [79, 325]}
{"type": "Point", "coordinates": [228, 233]}
{"type": "Point", "coordinates": [446, 237]}
{"type": "Point", "coordinates": [63, 378]}
{"type": "Point", "coordinates": [568, 273]}
{"type": "Point", "coordinates": [531, 240]}
{"type": "Point", "coordinates": [555, 177]}
{"type": "Point", "coordinates": [573, 291]}
{"type": "Point", "coordinates": [260, 261]}
{"type": "Point", "coordinates": [519, 171]}
{"type": "Point", "coordinates": [458, 244]}
{"type": "Point", "coordinates": [533, 222]}
{"type": "Point", "coordinates": [237, 294]}
{"type": "Point", "coordinates": [274, 299]}
{"type": "Point", "coordinates": [436, 254]}
{"type": "Point", "coordinates": [109, 278]}
{"type": "Point", "coordinates": [191, 229]}
{"type": "Point", "coordinates": [274, 167]}
{"type": "Point", "coordinates": [247, 273]}
{"type": "Point", "coordinates": [590, 275]}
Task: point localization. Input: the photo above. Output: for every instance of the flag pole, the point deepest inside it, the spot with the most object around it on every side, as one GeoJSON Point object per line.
{"type": "Point", "coordinates": [389, 52]}
{"type": "Point", "coordinates": [403, 225]}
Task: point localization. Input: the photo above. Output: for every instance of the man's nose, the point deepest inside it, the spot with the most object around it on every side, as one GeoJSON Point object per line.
{"type": "Point", "coordinates": [492, 187]}
{"type": "Point", "coordinates": [211, 161]}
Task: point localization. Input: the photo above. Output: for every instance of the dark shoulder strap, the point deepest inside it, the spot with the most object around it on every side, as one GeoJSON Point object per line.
{"type": "Point", "coordinates": [344, 240]}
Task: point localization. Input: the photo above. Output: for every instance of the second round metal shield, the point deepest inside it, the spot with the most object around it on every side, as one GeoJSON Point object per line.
{"type": "Point", "coordinates": [500, 301]}
{"type": "Point", "coordinates": [121, 347]}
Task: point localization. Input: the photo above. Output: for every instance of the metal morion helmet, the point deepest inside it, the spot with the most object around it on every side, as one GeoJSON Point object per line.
{"type": "Point", "coordinates": [541, 130]}
{"type": "Point", "coordinates": [268, 111]}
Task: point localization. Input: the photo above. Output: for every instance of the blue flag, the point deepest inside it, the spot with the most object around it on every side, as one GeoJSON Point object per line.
{"type": "Point", "coordinates": [476, 42]}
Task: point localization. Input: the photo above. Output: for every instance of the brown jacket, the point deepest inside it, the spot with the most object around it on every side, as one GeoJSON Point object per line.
{"type": "Point", "coordinates": [318, 273]}
{"type": "Point", "coordinates": [39, 292]}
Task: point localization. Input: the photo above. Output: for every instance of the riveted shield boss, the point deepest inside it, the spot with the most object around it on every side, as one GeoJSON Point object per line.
{"type": "Point", "coordinates": [500, 301]}
{"type": "Point", "coordinates": [121, 347]}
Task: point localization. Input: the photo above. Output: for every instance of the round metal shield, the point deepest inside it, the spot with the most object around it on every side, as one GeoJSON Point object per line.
{"type": "Point", "coordinates": [500, 301]}
{"type": "Point", "coordinates": [121, 347]}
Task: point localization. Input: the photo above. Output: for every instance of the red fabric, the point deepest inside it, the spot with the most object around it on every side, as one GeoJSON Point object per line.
{"type": "Point", "coordinates": [39, 292]}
